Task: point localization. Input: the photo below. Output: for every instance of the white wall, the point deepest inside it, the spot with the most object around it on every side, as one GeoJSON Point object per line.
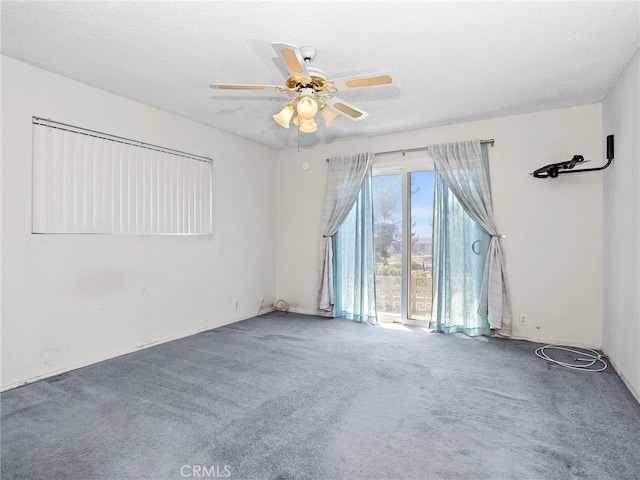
{"type": "Point", "coordinates": [554, 226]}
{"type": "Point", "coordinates": [621, 325]}
{"type": "Point", "coordinates": [70, 300]}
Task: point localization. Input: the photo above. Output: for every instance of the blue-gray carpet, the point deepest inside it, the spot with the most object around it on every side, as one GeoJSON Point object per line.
{"type": "Point", "coordinates": [287, 396]}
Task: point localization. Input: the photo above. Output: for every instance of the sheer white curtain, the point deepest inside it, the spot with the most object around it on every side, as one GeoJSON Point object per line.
{"type": "Point", "coordinates": [345, 177]}
{"type": "Point", "coordinates": [462, 168]}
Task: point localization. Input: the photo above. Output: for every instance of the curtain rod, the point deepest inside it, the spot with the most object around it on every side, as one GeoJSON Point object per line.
{"type": "Point", "coordinates": [490, 141]}
{"type": "Point", "coordinates": [46, 122]}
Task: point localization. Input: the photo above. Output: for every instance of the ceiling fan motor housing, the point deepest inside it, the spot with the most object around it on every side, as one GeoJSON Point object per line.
{"type": "Point", "coordinates": [308, 53]}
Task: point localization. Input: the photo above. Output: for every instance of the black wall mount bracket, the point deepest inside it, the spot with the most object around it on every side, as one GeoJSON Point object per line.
{"type": "Point", "coordinates": [554, 169]}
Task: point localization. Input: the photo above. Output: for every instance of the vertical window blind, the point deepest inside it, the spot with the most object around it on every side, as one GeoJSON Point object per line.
{"type": "Point", "coordinates": [90, 182]}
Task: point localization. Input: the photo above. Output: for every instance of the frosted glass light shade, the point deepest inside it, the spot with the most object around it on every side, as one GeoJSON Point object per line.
{"type": "Point", "coordinates": [308, 125]}
{"type": "Point", "coordinates": [307, 107]}
{"type": "Point", "coordinates": [283, 117]}
{"type": "Point", "coordinates": [329, 114]}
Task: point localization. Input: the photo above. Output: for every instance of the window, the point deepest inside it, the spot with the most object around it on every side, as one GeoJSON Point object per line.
{"type": "Point", "coordinates": [90, 182]}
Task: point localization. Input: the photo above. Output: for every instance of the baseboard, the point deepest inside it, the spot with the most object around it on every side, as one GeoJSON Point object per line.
{"type": "Point", "coordinates": [266, 310]}
{"type": "Point", "coordinates": [118, 353]}
{"type": "Point", "coordinates": [303, 311]}
{"type": "Point", "coordinates": [552, 342]}
{"type": "Point", "coordinates": [621, 375]}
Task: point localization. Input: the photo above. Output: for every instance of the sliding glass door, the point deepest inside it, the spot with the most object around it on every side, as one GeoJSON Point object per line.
{"type": "Point", "coordinates": [405, 216]}
{"type": "Point", "coordinates": [420, 244]}
{"type": "Point", "coordinates": [387, 208]}
{"type": "Point", "coordinates": [403, 209]}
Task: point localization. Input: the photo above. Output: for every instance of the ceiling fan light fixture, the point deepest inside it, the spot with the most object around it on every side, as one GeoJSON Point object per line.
{"type": "Point", "coordinates": [308, 125]}
{"type": "Point", "coordinates": [329, 115]}
{"type": "Point", "coordinates": [307, 107]}
{"type": "Point", "coordinates": [283, 117]}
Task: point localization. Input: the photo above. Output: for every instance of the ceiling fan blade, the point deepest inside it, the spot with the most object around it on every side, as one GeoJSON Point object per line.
{"type": "Point", "coordinates": [349, 110]}
{"type": "Point", "coordinates": [232, 86]}
{"type": "Point", "coordinates": [292, 58]}
{"type": "Point", "coordinates": [368, 80]}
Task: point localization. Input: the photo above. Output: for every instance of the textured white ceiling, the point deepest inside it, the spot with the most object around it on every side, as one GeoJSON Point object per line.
{"type": "Point", "coordinates": [456, 61]}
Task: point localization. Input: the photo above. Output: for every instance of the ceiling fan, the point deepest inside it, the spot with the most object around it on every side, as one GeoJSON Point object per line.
{"type": "Point", "coordinates": [315, 92]}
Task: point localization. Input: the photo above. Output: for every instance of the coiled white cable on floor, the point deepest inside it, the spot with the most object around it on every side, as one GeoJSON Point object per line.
{"type": "Point", "coordinates": [590, 358]}
{"type": "Point", "coordinates": [282, 306]}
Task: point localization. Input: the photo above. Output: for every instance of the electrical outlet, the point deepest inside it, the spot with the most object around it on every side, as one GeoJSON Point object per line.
{"type": "Point", "coordinates": [237, 305]}
{"type": "Point", "coordinates": [261, 300]}
{"type": "Point", "coordinates": [523, 319]}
